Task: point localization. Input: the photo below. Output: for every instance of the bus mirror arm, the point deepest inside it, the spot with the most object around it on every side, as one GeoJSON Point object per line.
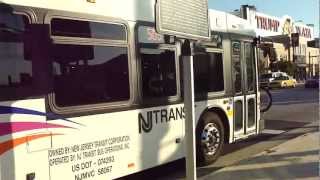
{"type": "Point", "coordinates": [186, 48]}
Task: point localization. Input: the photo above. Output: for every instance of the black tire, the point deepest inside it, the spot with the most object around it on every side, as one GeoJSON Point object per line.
{"type": "Point", "coordinates": [265, 92]}
{"type": "Point", "coordinates": [285, 85]}
{"type": "Point", "coordinates": [212, 122]}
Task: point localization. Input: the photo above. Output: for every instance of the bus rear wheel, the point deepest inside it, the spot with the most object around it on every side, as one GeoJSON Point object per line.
{"type": "Point", "coordinates": [210, 138]}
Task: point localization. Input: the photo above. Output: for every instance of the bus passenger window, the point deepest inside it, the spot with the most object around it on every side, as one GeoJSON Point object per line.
{"type": "Point", "coordinates": [250, 67]}
{"type": "Point", "coordinates": [158, 73]}
{"type": "Point", "coordinates": [236, 59]}
{"type": "Point", "coordinates": [87, 29]}
{"type": "Point", "coordinates": [208, 72]}
{"type": "Point", "coordinates": [16, 77]}
{"type": "Point", "coordinates": [87, 74]}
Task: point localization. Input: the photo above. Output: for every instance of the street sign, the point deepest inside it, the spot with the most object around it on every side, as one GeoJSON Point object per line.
{"type": "Point", "coordinates": [189, 20]}
{"type": "Point", "coordinates": [183, 18]}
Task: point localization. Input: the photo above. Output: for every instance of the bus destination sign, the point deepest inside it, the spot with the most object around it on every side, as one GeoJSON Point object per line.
{"type": "Point", "coordinates": [183, 18]}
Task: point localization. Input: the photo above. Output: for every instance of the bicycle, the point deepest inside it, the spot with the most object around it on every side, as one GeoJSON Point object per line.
{"type": "Point", "coordinates": [265, 99]}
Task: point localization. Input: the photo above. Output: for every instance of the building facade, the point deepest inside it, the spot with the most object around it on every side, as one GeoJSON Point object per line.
{"type": "Point", "coordinates": [283, 40]}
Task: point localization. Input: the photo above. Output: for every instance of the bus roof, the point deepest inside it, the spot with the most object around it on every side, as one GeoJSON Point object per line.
{"type": "Point", "coordinates": [130, 10]}
{"type": "Point", "coordinates": [135, 10]}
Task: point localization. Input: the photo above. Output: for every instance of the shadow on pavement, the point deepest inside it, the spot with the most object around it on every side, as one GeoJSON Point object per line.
{"type": "Point", "coordinates": [280, 157]}
{"type": "Point", "coordinates": [284, 103]}
{"type": "Point", "coordinates": [230, 148]}
{"type": "Point", "coordinates": [278, 166]}
{"type": "Point", "coordinates": [291, 172]}
{"type": "Point", "coordinates": [176, 170]}
{"type": "Point", "coordinates": [283, 125]}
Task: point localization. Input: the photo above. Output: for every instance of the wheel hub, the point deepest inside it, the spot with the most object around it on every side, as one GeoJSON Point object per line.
{"type": "Point", "coordinates": [210, 139]}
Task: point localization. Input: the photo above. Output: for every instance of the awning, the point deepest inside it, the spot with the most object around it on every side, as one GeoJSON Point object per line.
{"type": "Point", "coordinates": [283, 39]}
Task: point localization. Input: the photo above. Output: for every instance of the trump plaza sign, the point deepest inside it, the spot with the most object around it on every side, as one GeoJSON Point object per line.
{"type": "Point", "coordinates": [270, 26]}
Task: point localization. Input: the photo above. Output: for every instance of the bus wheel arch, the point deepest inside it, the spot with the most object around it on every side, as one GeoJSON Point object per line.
{"type": "Point", "coordinates": [212, 132]}
{"type": "Point", "coordinates": [225, 122]}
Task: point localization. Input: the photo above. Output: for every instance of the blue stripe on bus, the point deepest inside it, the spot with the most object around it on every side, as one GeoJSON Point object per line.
{"type": "Point", "coordinates": [16, 110]}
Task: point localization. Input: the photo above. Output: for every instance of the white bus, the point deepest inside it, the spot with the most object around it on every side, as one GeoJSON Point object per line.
{"type": "Point", "coordinates": [89, 90]}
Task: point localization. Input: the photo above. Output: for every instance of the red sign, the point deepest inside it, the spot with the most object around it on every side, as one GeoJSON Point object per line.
{"type": "Point", "coordinates": [153, 35]}
{"type": "Point", "coordinates": [267, 24]}
{"type": "Point", "coordinates": [303, 31]}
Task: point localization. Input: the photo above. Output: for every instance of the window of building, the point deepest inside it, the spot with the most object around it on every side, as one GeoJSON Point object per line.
{"type": "Point", "coordinates": [16, 77]}
{"type": "Point", "coordinates": [89, 73]}
{"type": "Point", "coordinates": [158, 73]}
{"type": "Point", "coordinates": [208, 72]}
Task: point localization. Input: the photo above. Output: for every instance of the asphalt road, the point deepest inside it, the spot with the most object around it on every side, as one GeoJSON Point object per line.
{"type": "Point", "coordinates": [297, 105]}
{"type": "Point", "coordinates": [292, 109]}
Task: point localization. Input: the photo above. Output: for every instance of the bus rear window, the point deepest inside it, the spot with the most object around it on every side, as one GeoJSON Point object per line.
{"type": "Point", "coordinates": [16, 77]}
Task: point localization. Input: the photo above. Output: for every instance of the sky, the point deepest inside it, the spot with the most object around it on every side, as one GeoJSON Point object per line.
{"type": "Point", "coordinates": [305, 10]}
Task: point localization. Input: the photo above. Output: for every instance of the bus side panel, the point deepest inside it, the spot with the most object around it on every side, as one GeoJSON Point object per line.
{"type": "Point", "coordinates": [224, 104]}
{"type": "Point", "coordinates": [116, 144]}
{"type": "Point", "coordinates": [24, 140]}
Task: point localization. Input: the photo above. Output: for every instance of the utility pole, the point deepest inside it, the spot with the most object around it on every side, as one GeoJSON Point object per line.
{"type": "Point", "coordinates": [310, 65]}
{"type": "Point", "coordinates": [188, 81]}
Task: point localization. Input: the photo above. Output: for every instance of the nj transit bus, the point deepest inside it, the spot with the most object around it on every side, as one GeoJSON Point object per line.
{"type": "Point", "coordinates": [89, 90]}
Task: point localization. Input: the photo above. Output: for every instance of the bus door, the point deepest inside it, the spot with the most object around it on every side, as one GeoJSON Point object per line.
{"type": "Point", "coordinates": [244, 88]}
{"type": "Point", "coordinates": [250, 88]}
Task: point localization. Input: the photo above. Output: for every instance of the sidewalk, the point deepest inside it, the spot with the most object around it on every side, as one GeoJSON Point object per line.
{"type": "Point", "coordinates": [295, 159]}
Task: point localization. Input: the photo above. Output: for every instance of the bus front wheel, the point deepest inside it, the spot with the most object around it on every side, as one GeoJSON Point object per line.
{"type": "Point", "coordinates": [210, 138]}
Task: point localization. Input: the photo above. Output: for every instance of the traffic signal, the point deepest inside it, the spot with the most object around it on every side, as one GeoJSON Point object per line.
{"type": "Point", "coordinates": [294, 39]}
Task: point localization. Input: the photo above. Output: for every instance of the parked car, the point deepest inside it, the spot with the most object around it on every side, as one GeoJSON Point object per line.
{"type": "Point", "coordinates": [266, 79]}
{"type": "Point", "coordinates": [283, 82]}
{"type": "Point", "coordinates": [312, 82]}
